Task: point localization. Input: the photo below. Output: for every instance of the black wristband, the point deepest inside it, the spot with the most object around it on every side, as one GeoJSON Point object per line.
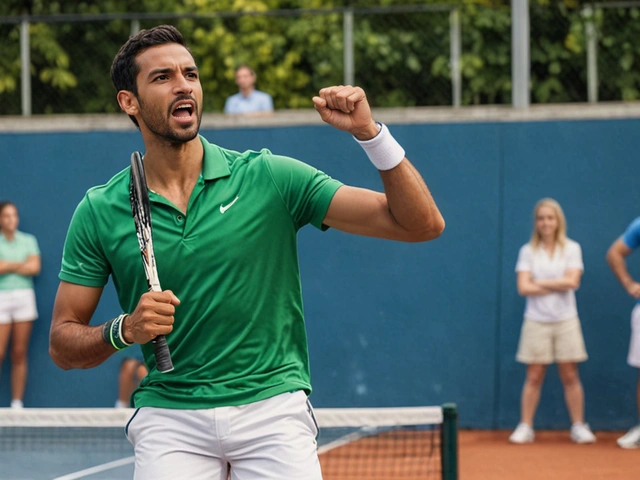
{"type": "Point", "coordinates": [112, 333]}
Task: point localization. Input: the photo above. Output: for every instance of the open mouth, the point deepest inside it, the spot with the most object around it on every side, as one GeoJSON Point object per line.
{"type": "Point", "coordinates": [183, 111]}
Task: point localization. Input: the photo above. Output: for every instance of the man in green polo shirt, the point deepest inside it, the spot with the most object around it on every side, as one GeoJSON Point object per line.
{"type": "Point", "coordinates": [225, 227]}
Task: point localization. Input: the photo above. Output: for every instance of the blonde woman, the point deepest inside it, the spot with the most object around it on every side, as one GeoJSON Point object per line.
{"type": "Point", "coordinates": [549, 269]}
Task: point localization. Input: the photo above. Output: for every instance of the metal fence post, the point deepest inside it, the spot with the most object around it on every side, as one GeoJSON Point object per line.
{"type": "Point", "coordinates": [348, 47]}
{"type": "Point", "coordinates": [456, 49]}
{"type": "Point", "coordinates": [25, 67]}
{"type": "Point", "coordinates": [520, 67]}
{"type": "Point", "coordinates": [135, 27]}
{"type": "Point", "coordinates": [592, 54]}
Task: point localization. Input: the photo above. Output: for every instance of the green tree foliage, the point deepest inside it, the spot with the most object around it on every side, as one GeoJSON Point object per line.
{"type": "Point", "coordinates": [486, 54]}
{"type": "Point", "coordinates": [70, 61]}
{"type": "Point", "coordinates": [401, 57]}
{"type": "Point", "coordinates": [293, 56]}
{"type": "Point", "coordinates": [619, 59]}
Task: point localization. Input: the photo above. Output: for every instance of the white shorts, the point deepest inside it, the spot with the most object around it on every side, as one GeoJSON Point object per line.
{"type": "Point", "coordinates": [270, 439]}
{"type": "Point", "coordinates": [550, 342]}
{"type": "Point", "coordinates": [633, 358]}
{"type": "Point", "coordinates": [18, 305]}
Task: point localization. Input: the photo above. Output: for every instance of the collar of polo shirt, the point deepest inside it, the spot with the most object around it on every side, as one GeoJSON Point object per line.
{"type": "Point", "coordinates": [214, 164]}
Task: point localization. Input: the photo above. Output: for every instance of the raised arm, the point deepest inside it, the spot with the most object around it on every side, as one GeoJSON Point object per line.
{"type": "Point", "coordinates": [406, 210]}
{"type": "Point", "coordinates": [616, 258]}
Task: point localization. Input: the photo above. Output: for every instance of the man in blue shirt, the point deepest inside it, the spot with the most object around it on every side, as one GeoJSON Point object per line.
{"type": "Point", "coordinates": [248, 100]}
{"type": "Point", "coordinates": [616, 257]}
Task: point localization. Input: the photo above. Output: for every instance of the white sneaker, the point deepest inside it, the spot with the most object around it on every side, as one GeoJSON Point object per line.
{"type": "Point", "coordinates": [522, 434]}
{"type": "Point", "coordinates": [17, 404]}
{"type": "Point", "coordinates": [631, 439]}
{"type": "Point", "coordinates": [121, 404]}
{"type": "Point", "coordinates": [581, 433]}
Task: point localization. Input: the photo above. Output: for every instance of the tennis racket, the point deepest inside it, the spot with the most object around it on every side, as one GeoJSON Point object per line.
{"type": "Point", "coordinates": [141, 210]}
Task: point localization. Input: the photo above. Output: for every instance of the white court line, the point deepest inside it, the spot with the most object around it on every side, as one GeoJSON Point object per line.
{"type": "Point", "coordinates": [96, 469]}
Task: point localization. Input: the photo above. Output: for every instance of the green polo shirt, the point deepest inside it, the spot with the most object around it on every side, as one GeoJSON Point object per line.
{"type": "Point", "coordinates": [232, 260]}
{"type": "Point", "coordinates": [19, 249]}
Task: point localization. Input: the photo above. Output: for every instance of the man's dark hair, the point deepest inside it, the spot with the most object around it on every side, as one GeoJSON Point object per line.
{"type": "Point", "coordinates": [125, 69]}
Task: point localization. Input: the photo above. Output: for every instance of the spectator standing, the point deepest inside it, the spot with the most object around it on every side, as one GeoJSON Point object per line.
{"type": "Point", "coordinates": [132, 371]}
{"type": "Point", "coordinates": [549, 269]}
{"type": "Point", "coordinates": [19, 263]}
{"type": "Point", "coordinates": [248, 100]}
{"type": "Point", "coordinates": [616, 257]}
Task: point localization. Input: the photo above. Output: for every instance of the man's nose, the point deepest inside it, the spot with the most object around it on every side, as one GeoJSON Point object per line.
{"type": "Point", "coordinates": [182, 85]}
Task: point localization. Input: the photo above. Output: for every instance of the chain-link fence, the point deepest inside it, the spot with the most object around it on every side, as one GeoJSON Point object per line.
{"type": "Point", "coordinates": [403, 58]}
{"type": "Point", "coordinates": [413, 55]}
{"type": "Point", "coordinates": [399, 55]}
{"type": "Point", "coordinates": [9, 69]}
{"type": "Point", "coordinates": [617, 29]}
{"type": "Point", "coordinates": [587, 53]}
{"type": "Point", "coordinates": [558, 54]}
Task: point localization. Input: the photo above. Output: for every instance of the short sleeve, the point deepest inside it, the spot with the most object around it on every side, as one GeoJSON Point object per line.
{"type": "Point", "coordinates": [631, 236]}
{"type": "Point", "coordinates": [574, 256]}
{"type": "Point", "coordinates": [83, 259]}
{"type": "Point", "coordinates": [306, 191]}
{"type": "Point", "coordinates": [32, 247]}
{"type": "Point", "coordinates": [525, 259]}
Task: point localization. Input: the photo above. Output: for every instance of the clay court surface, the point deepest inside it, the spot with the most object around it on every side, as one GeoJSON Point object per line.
{"type": "Point", "coordinates": [487, 455]}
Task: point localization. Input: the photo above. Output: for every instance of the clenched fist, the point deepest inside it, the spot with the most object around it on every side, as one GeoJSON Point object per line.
{"type": "Point", "coordinates": [346, 108]}
{"type": "Point", "coordinates": [153, 316]}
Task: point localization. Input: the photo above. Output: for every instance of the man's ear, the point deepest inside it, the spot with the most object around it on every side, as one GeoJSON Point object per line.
{"type": "Point", "coordinates": [128, 102]}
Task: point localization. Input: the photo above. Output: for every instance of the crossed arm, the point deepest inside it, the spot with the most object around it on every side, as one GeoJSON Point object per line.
{"type": "Point", "coordinates": [29, 268]}
{"type": "Point", "coordinates": [527, 286]}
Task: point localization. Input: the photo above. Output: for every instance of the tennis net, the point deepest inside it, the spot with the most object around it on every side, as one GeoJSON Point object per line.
{"type": "Point", "coordinates": [353, 444]}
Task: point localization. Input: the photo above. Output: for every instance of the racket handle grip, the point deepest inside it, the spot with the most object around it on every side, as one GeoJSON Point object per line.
{"type": "Point", "coordinates": [162, 353]}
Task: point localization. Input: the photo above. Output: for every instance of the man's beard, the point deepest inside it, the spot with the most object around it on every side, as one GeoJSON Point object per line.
{"type": "Point", "coordinates": [160, 126]}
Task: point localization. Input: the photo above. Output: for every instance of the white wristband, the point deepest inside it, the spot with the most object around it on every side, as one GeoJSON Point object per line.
{"type": "Point", "coordinates": [120, 321]}
{"type": "Point", "coordinates": [383, 150]}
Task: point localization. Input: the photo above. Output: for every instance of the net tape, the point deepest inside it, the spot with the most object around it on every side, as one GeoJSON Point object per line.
{"type": "Point", "coordinates": [111, 417]}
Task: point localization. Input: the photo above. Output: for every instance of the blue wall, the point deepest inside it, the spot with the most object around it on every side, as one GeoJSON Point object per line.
{"type": "Point", "coordinates": [393, 324]}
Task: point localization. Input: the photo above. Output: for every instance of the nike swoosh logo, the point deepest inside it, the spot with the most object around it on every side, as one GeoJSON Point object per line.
{"type": "Point", "coordinates": [224, 209]}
